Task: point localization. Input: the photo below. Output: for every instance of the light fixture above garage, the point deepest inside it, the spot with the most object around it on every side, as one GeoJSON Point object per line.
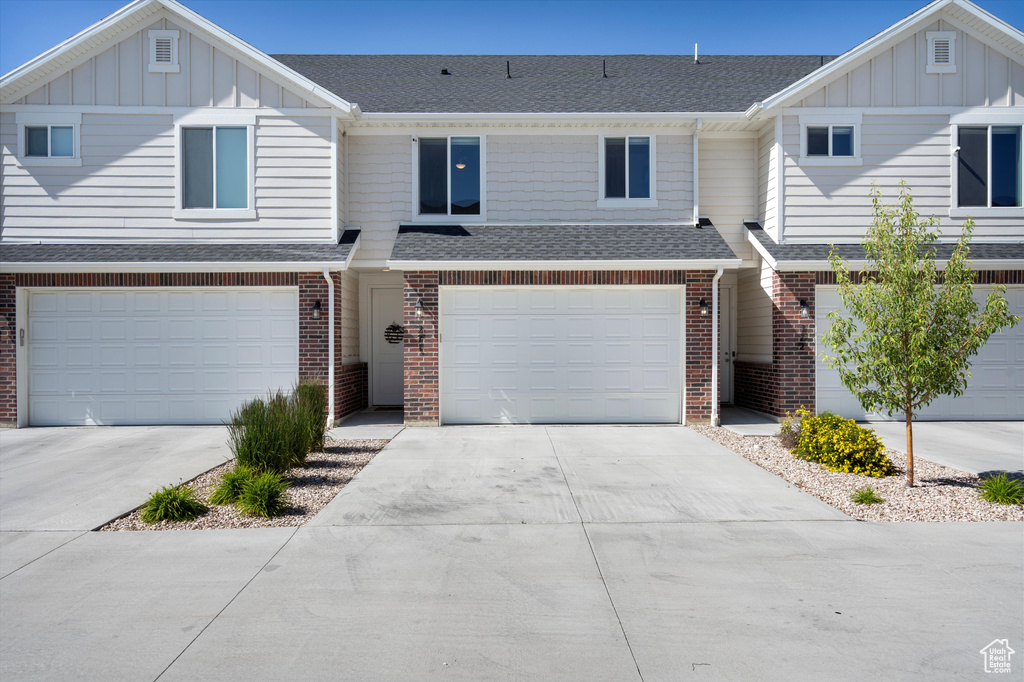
{"type": "Point", "coordinates": [703, 307]}
{"type": "Point", "coordinates": [316, 310]}
{"type": "Point", "coordinates": [419, 308]}
{"type": "Point", "coordinates": [805, 310]}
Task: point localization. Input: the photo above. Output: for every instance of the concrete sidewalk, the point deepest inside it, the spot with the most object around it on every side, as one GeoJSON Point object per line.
{"type": "Point", "coordinates": [974, 447]}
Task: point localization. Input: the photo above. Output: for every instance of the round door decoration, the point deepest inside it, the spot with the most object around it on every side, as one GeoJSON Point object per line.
{"type": "Point", "coordinates": [394, 333]}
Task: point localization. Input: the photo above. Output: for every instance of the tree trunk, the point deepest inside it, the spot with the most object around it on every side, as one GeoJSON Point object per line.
{"type": "Point", "coordinates": [910, 450]}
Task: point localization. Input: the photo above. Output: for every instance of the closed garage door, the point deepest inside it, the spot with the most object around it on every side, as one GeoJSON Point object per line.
{"type": "Point", "coordinates": [560, 355]}
{"type": "Point", "coordinates": [994, 390]}
{"type": "Point", "coordinates": [157, 356]}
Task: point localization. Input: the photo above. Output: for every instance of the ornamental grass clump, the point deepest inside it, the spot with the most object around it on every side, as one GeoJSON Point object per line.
{"type": "Point", "coordinates": [173, 503]}
{"type": "Point", "coordinates": [866, 495]}
{"type": "Point", "coordinates": [264, 496]}
{"type": "Point", "coordinates": [311, 408]}
{"type": "Point", "coordinates": [841, 445]}
{"type": "Point", "coordinates": [1001, 489]}
{"type": "Point", "coordinates": [231, 484]}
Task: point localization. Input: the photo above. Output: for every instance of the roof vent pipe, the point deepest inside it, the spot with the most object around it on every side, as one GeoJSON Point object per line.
{"type": "Point", "coordinates": [508, 69]}
{"type": "Point", "coordinates": [695, 60]}
{"type": "Point", "coordinates": [604, 68]}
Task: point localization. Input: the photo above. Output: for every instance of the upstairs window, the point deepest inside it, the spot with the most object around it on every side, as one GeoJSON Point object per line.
{"type": "Point", "coordinates": [941, 52]}
{"type": "Point", "coordinates": [215, 167]}
{"type": "Point", "coordinates": [830, 140]}
{"type": "Point", "coordinates": [50, 141]}
{"type": "Point", "coordinates": [163, 51]}
{"type": "Point", "coordinates": [627, 167]}
{"type": "Point", "coordinates": [989, 166]}
{"type": "Point", "coordinates": [449, 176]}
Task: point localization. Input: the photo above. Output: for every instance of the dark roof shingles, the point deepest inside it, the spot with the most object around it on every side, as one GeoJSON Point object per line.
{"type": "Point", "coordinates": [552, 83]}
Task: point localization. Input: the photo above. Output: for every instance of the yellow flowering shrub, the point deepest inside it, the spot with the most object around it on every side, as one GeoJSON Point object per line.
{"type": "Point", "coordinates": [841, 445]}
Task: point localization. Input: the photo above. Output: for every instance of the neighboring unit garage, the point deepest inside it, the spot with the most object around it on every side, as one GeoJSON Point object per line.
{"type": "Point", "coordinates": [561, 354]}
{"type": "Point", "coordinates": [182, 355]}
{"type": "Point", "coordinates": [993, 391]}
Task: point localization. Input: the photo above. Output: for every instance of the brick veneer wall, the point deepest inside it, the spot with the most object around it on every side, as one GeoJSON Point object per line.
{"type": "Point", "coordinates": [788, 381]}
{"type": "Point", "coordinates": [350, 389]}
{"type": "Point", "coordinates": [313, 334]}
{"type": "Point", "coordinates": [421, 342]}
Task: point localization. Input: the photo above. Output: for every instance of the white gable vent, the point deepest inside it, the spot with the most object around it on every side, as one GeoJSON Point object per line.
{"type": "Point", "coordinates": [163, 51]}
{"type": "Point", "coordinates": [941, 52]}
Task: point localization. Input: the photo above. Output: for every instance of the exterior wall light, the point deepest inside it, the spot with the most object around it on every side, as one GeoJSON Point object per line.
{"type": "Point", "coordinates": [805, 310]}
{"type": "Point", "coordinates": [316, 310]}
{"type": "Point", "coordinates": [703, 307]}
{"type": "Point", "coordinates": [419, 308]}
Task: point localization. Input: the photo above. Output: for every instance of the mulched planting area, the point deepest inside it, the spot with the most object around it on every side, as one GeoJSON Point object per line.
{"type": "Point", "coordinates": [313, 486]}
{"type": "Point", "coordinates": [940, 493]}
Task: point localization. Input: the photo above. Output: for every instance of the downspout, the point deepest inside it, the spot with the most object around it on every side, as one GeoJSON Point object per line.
{"type": "Point", "coordinates": [696, 174]}
{"type": "Point", "coordinates": [330, 348]}
{"type": "Point", "coordinates": [715, 327]}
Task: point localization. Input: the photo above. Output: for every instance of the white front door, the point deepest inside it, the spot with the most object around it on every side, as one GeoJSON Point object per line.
{"type": "Point", "coordinates": [386, 373]}
{"type": "Point", "coordinates": [157, 356]}
{"type": "Point", "coordinates": [727, 354]}
{"type": "Point", "coordinates": [994, 391]}
{"type": "Point", "coordinates": [561, 355]}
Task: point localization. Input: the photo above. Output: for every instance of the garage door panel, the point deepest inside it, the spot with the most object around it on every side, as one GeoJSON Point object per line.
{"type": "Point", "coordinates": [993, 390]}
{"type": "Point", "coordinates": [157, 356]}
{"type": "Point", "coordinates": [517, 355]}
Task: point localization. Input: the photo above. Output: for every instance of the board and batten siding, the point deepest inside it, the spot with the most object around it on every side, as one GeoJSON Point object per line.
{"type": "Point", "coordinates": [208, 77]}
{"type": "Point", "coordinates": [754, 314]}
{"type": "Point", "coordinates": [897, 76]}
{"type": "Point", "coordinates": [727, 188]}
{"type": "Point", "coordinates": [125, 187]}
{"type": "Point", "coordinates": [832, 202]}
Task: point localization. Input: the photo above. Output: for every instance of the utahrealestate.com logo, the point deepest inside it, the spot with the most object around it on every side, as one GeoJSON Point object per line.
{"type": "Point", "coordinates": [997, 656]}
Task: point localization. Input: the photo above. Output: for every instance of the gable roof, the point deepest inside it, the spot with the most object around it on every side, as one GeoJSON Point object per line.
{"type": "Point", "coordinates": [996, 31]}
{"type": "Point", "coordinates": [552, 83]}
{"type": "Point", "coordinates": [69, 53]}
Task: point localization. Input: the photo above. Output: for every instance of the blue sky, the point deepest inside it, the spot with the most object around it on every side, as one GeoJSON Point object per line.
{"type": "Point", "coordinates": [30, 27]}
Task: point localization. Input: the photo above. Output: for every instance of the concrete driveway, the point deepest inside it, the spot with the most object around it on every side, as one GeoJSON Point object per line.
{"type": "Point", "coordinates": [975, 447]}
{"type": "Point", "coordinates": [594, 553]}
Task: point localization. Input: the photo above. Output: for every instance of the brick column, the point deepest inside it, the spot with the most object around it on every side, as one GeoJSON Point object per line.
{"type": "Point", "coordinates": [421, 350]}
{"type": "Point", "coordinates": [793, 343]}
{"type": "Point", "coordinates": [313, 334]}
{"type": "Point", "coordinates": [699, 329]}
{"type": "Point", "coordinates": [8, 353]}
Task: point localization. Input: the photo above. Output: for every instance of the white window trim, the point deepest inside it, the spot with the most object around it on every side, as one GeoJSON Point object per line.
{"type": "Point", "coordinates": [29, 119]}
{"type": "Point", "coordinates": [988, 211]}
{"type": "Point", "coordinates": [626, 202]}
{"type": "Point", "coordinates": [154, 67]}
{"type": "Point", "coordinates": [214, 119]}
{"type": "Point", "coordinates": [932, 67]}
{"type": "Point", "coordinates": [449, 218]}
{"type": "Point", "coordinates": [830, 120]}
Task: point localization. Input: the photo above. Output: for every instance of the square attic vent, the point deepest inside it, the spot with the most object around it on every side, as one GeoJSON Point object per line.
{"type": "Point", "coordinates": [163, 51]}
{"type": "Point", "coordinates": [941, 52]}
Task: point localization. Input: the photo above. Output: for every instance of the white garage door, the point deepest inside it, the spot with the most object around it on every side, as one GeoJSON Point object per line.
{"type": "Point", "coordinates": [157, 356]}
{"type": "Point", "coordinates": [994, 391]}
{"type": "Point", "coordinates": [560, 355]}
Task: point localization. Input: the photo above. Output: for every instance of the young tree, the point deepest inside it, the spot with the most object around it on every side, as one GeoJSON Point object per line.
{"type": "Point", "coordinates": [911, 330]}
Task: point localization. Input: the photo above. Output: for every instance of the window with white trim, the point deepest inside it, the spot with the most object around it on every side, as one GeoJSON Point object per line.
{"type": "Point", "coordinates": [450, 172]}
{"type": "Point", "coordinates": [830, 139]}
{"type": "Point", "coordinates": [941, 52]}
{"type": "Point", "coordinates": [215, 167]}
{"type": "Point", "coordinates": [163, 51]}
{"type": "Point", "coordinates": [628, 168]}
{"type": "Point", "coordinates": [988, 166]}
{"type": "Point", "coordinates": [48, 139]}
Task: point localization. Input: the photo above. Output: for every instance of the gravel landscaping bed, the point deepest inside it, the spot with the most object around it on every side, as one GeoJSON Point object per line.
{"type": "Point", "coordinates": [940, 493]}
{"type": "Point", "coordinates": [313, 486]}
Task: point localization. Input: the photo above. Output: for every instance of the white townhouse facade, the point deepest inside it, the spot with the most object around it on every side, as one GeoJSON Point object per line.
{"type": "Point", "coordinates": [188, 222]}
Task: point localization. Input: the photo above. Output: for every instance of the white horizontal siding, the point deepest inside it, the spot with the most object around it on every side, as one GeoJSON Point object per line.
{"type": "Point", "coordinates": [754, 315]}
{"type": "Point", "coordinates": [380, 190]}
{"type": "Point", "coordinates": [897, 76]}
{"type": "Point", "coordinates": [125, 187]}
{"type": "Point", "coordinates": [767, 181]}
{"type": "Point", "coordinates": [727, 188]}
{"type": "Point", "coordinates": [833, 202]}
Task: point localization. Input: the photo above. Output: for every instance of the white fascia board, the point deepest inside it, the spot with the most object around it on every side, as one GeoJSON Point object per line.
{"type": "Point", "coordinates": [708, 264]}
{"type": "Point", "coordinates": [985, 15]}
{"type": "Point", "coordinates": [675, 116]}
{"type": "Point", "coordinates": [858, 265]}
{"type": "Point", "coordinates": [761, 250]}
{"type": "Point", "coordinates": [849, 59]}
{"type": "Point", "coordinates": [261, 59]}
{"type": "Point", "coordinates": [151, 266]}
{"type": "Point", "coordinates": [352, 250]}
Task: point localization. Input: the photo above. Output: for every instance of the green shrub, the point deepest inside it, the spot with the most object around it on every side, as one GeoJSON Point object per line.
{"type": "Point", "coordinates": [311, 399]}
{"type": "Point", "coordinates": [264, 495]}
{"type": "Point", "coordinates": [840, 445]}
{"type": "Point", "coordinates": [866, 495]}
{"type": "Point", "coordinates": [173, 503]}
{"type": "Point", "coordinates": [262, 434]}
{"type": "Point", "coordinates": [1001, 489]}
{"type": "Point", "coordinates": [231, 484]}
